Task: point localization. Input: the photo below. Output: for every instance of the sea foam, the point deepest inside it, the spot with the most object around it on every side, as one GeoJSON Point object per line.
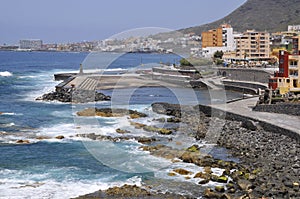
{"type": "Point", "coordinates": [6, 74]}
{"type": "Point", "coordinates": [41, 186]}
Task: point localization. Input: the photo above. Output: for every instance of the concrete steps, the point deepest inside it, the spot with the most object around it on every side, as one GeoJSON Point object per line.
{"type": "Point", "coordinates": [210, 83]}
{"type": "Point", "coordinates": [88, 84]}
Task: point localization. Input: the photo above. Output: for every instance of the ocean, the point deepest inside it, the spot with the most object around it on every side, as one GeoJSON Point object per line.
{"type": "Point", "coordinates": [66, 168]}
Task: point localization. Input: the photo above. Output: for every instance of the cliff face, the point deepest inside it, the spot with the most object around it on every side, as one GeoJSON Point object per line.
{"type": "Point", "coordinates": [261, 15]}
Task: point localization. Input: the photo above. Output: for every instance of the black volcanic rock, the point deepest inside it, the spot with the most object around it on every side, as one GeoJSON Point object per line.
{"type": "Point", "coordinates": [74, 96]}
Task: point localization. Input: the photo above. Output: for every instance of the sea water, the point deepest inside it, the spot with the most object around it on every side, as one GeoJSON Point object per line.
{"type": "Point", "coordinates": [53, 168]}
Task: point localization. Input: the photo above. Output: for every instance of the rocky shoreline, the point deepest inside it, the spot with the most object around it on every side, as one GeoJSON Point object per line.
{"type": "Point", "coordinates": [268, 166]}
{"type": "Point", "coordinates": [269, 161]}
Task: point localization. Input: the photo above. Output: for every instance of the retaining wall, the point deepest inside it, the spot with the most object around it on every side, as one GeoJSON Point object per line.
{"type": "Point", "coordinates": [247, 121]}
{"type": "Point", "coordinates": [246, 74]}
{"type": "Point", "coordinates": [286, 108]}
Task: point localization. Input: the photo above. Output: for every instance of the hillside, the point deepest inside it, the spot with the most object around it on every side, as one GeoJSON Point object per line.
{"type": "Point", "coordinates": [269, 15]}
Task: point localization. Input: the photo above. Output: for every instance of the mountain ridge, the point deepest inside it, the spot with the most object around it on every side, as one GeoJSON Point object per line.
{"type": "Point", "coordinates": [261, 15]}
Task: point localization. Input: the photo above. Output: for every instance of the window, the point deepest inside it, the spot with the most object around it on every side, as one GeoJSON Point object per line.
{"type": "Point", "coordinates": [293, 63]}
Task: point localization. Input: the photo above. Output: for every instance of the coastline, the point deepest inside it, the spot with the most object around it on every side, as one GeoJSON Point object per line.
{"type": "Point", "coordinates": [259, 173]}
{"type": "Point", "coordinates": [247, 137]}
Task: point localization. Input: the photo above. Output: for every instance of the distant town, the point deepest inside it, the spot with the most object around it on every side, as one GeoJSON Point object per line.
{"type": "Point", "coordinates": [235, 46]}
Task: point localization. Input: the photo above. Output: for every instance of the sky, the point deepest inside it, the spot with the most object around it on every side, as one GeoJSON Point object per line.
{"type": "Point", "coordinates": [63, 21]}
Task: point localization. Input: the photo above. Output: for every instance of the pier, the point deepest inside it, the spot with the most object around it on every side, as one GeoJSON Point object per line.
{"type": "Point", "coordinates": [111, 81]}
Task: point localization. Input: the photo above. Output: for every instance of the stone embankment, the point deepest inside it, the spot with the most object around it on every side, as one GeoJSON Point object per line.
{"type": "Point", "coordinates": [282, 108]}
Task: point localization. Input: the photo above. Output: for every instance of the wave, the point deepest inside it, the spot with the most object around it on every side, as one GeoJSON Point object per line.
{"type": "Point", "coordinates": [41, 186]}
{"type": "Point", "coordinates": [6, 74]}
{"type": "Point", "coordinates": [8, 125]}
{"type": "Point", "coordinates": [4, 113]}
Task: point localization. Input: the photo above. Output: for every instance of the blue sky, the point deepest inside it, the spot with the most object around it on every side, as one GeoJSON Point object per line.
{"type": "Point", "coordinates": [79, 20]}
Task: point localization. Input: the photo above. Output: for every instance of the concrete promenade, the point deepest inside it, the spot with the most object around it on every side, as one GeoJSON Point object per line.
{"type": "Point", "coordinates": [117, 81]}
{"type": "Point", "coordinates": [244, 108]}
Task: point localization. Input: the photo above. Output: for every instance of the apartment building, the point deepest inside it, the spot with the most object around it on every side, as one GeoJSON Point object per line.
{"type": "Point", "coordinates": [220, 39]}
{"type": "Point", "coordinates": [252, 45]}
{"type": "Point", "coordinates": [295, 28]}
{"type": "Point", "coordinates": [296, 45]}
{"type": "Point", "coordinates": [32, 44]}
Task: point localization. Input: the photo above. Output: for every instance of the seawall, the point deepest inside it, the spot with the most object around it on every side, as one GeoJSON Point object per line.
{"type": "Point", "coordinates": [283, 108]}
{"type": "Point", "coordinates": [245, 74]}
{"type": "Point", "coordinates": [249, 122]}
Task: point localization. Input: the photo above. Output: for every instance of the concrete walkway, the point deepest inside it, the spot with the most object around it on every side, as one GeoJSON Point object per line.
{"type": "Point", "coordinates": [244, 108]}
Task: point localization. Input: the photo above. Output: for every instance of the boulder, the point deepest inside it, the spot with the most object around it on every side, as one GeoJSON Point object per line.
{"type": "Point", "coordinates": [205, 176]}
{"type": "Point", "coordinates": [171, 174]}
{"type": "Point", "coordinates": [207, 170]}
{"type": "Point", "coordinates": [190, 157]}
{"type": "Point", "coordinates": [122, 131]}
{"type": "Point", "coordinates": [182, 171]}
{"type": "Point", "coordinates": [165, 131]}
{"type": "Point", "coordinates": [167, 109]}
{"type": "Point", "coordinates": [220, 188]}
{"type": "Point", "coordinates": [214, 178]}
{"type": "Point", "coordinates": [222, 179]}
{"type": "Point", "coordinates": [145, 140]}
{"type": "Point", "coordinates": [193, 148]}
{"type": "Point", "coordinates": [137, 125]}
{"type": "Point", "coordinates": [74, 96]}
{"type": "Point", "coordinates": [127, 191]}
{"type": "Point", "coordinates": [91, 136]}
{"type": "Point", "coordinates": [174, 120]}
{"type": "Point", "coordinates": [22, 141]}
{"type": "Point", "coordinates": [209, 193]}
{"type": "Point", "coordinates": [162, 131]}
{"type": "Point", "coordinates": [110, 112]}
{"type": "Point", "coordinates": [60, 137]}
{"type": "Point", "coordinates": [204, 181]}
{"type": "Point", "coordinates": [249, 124]}
{"type": "Point", "coordinates": [42, 137]}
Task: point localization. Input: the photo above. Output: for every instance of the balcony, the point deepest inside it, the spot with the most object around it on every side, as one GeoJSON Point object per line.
{"type": "Point", "coordinates": [293, 66]}
{"type": "Point", "coordinates": [294, 57]}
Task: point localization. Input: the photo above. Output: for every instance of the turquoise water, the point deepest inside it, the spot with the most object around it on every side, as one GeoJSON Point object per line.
{"type": "Point", "coordinates": [53, 168]}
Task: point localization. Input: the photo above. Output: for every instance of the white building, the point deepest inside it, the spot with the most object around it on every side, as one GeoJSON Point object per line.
{"type": "Point", "coordinates": [32, 44]}
{"type": "Point", "coordinates": [220, 39]}
{"type": "Point", "coordinates": [294, 28]}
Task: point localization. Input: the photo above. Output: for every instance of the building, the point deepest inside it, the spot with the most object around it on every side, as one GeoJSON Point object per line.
{"type": "Point", "coordinates": [220, 39]}
{"type": "Point", "coordinates": [253, 45]}
{"type": "Point", "coordinates": [287, 79]}
{"type": "Point", "coordinates": [295, 28]}
{"type": "Point", "coordinates": [296, 45]}
{"type": "Point", "coordinates": [31, 44]}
